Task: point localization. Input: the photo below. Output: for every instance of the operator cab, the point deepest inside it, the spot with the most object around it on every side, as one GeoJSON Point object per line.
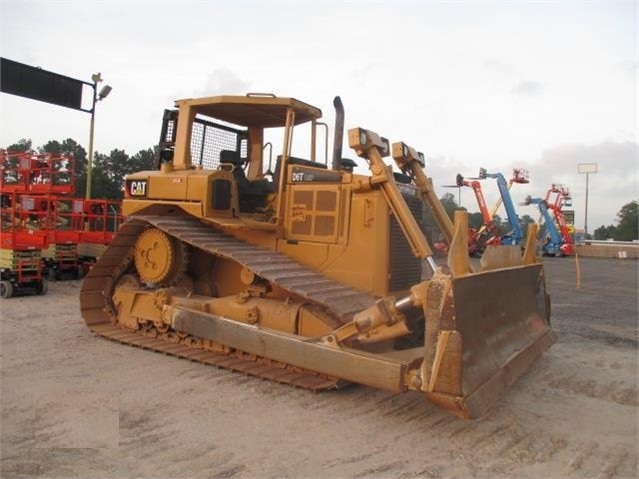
{"type": "Point", "coordinates": [236, 134]}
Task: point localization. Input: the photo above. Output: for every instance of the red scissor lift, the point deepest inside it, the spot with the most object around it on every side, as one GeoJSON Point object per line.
{"type": "Point", "coordinates": [23, 236]}
{"type": "Point", "coordinates": [102, 218]}
{"type": "Point", "coordinates": [33, 185]}
{"type": "Point", "coordinates": [64, 227]}
{"type": "Point", "coordinates": [36, 173]}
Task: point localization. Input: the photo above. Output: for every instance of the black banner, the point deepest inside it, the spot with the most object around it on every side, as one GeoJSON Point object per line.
{"type": "Point", "coordinates": [42, 85]}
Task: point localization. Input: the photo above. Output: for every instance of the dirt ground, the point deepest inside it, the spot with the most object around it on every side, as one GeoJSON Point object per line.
{"type": "Point", "coordinates": [78, 406]}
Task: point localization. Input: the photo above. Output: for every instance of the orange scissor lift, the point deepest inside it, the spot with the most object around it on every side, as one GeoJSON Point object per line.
{"type": "Point", "coordinates": [78, 229]}
{"type": "Point", "coordinates": [23, 237]}
{"type": "Point", "coordinates": [34, 188]}
{"type": "Point", "coordinates": [102, 220]}
{"type": "Point", "coordinates": [64, 223]}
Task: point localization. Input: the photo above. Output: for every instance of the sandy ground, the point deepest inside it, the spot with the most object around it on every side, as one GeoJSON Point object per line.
{"type": "Point", "coordinates": [75, 405]}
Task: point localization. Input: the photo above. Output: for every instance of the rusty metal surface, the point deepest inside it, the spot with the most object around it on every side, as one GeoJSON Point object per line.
{"type": "Point", "coordinates": [483, 331]}
{"type": "Point", "coordinates": [500, 314]}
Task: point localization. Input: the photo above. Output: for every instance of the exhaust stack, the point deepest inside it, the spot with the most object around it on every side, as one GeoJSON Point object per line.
{"type": "Point", "coordinates": [339, 133]}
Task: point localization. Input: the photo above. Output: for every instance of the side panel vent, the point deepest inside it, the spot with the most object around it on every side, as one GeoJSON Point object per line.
{"type": "Point", "coordinates": [404, 269]}
{"type": "Point", "coordinates": [221, 195]}
{"type": "Point", "coordinates": [313, 213]}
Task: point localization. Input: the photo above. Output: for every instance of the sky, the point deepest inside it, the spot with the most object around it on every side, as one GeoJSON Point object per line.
{"type": "Point", "coordinates": [541, 85]}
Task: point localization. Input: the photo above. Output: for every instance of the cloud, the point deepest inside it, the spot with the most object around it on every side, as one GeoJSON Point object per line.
{"type": "Point", "coordinates": [630, 68]}
{"type": "Point", "coordinates": [500, 67]}
{"type": "Point", "coordinates": [618, 159]}
{"type": "Point", "coordinates": [528, 88]}
{"type": "Point", "coordinates": [223, 81]}
{"type": "Point", "coordinates": [506, 74]}
{"type": "Point", "coordinates": [615, 184]}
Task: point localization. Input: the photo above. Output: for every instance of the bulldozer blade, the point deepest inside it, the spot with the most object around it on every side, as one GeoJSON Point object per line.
{"type": "Point", "coordinates": [489, 328]}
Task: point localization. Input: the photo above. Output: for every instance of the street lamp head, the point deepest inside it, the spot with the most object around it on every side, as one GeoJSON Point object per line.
{"type": "Point", "coordinates": [104, 92]}
{"type": "Point", "coordinates": [106, 89]}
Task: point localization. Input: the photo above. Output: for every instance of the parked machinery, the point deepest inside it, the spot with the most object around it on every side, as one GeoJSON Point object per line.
{"type": "Point", "coordinates": [102, 219]}
{"type": "Point", "coordinates": [488, 234]}
{"type": "Point", "coordinates": [568, 248]}
{"type": "Point", "coordinates": [561, 194]}
{"type": "Point", "coordinates": [558, 196]}
{"type": "Point", "coordinates": [25, 229]}
{"type": "Point", "coordinates": [44, 184]}
{"type": "Point", "coordinates": [553, 243]}
{"type": "Point", "coordinates": [516, 234]}
{"type": "Point", "coordinates": [23, 236]}
{"type": "Point", "coordinates": [562, 198]}
{"type": "Point", "coordinates": [36, 173]}
{"type": "Point", "coordinates": [311, 275]}
{"type": "Point", "coordinates": [64, 228]}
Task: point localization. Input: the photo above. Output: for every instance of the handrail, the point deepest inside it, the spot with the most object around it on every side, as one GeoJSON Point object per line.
{"type": "Point", "coordinates": [325, 141]}
{"type": "Point", "coordinates": [270, 158]}
{"type": "Point", "coordinates": [271, 95]}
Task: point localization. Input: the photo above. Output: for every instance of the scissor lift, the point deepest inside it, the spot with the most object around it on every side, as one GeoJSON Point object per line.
{"type": "Point", "coordinates": [102, 219]}
{"type": "Point", "coordinates": [23, 236]}
{"type": "Point", "coordinates": [43, 184]}
{"type": "Point", "coordinates": [61, 258]}
{"type": "Point", "coordinates": [31, 172]}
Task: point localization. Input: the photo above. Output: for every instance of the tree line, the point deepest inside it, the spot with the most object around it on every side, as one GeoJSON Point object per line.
{"type": "Point", "coordinates": [627, 228]}
{"type": "Point", "coordinates": [108, 174]}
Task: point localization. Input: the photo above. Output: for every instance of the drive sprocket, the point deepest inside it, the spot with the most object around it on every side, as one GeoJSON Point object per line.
{"type": "Point", "coordinates": [159, 258]}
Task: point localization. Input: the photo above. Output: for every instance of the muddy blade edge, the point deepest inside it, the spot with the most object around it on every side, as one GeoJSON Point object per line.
{"type": "Point", "coordinates": [503, 317]}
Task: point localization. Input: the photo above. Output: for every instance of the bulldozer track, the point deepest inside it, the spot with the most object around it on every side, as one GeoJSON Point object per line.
{"type": "Point", "coordinates": [253, 367]}
{"type": "Point", "coordinates": [97, 288]}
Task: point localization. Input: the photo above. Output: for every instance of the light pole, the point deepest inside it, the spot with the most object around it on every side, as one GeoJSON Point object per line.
{"type": "Point", "coordinates": [106, 89]}
{"type": "Point", "coordinates": [586, 168]}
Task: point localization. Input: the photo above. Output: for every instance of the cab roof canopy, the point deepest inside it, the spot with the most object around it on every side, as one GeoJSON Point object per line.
{"type": "Point", "coordinates": [261, 111]}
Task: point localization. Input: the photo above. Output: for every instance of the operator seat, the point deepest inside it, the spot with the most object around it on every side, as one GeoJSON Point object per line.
{"type": "Point", "coordinates": [252, 194]}
{"type": "Point", "coordinates": [230, 157]}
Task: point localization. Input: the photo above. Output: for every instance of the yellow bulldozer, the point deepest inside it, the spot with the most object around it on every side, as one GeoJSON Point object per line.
{"type": "Point", "coordinates": [302, 270]}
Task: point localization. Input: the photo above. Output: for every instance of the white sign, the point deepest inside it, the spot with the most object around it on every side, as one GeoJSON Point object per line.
{"type": "Point", "coordinates": [587, 167]}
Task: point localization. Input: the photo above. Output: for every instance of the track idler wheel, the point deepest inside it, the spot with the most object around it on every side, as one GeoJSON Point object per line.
{"type": "Point", "coordinates": [159, 258]}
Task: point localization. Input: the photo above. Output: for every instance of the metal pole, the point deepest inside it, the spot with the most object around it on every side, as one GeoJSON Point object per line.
{"type": "Point", "coordinates": [96, 79]}
{"type": "Point", "coordinates": [586, 219]}
{"type": "Point", "coordinates": [586, 169]}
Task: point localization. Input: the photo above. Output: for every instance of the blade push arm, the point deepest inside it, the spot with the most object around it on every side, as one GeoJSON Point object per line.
{"type": "Point", "coordinates": [372, 147]}
{"type": "Point", "coordinates": [411, 162]}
